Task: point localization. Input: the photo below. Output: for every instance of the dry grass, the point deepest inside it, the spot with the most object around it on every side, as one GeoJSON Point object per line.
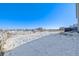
{"type": "Point", "coordinates": [5, 36]}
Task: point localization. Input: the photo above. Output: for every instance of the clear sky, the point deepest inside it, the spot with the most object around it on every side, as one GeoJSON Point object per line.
{"type": "Point", "coordinates": [33, 15]}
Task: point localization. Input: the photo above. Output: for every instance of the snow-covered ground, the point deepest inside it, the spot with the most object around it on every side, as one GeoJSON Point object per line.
{"type": "Point", "coordinates": [16, 38]}
{"type": "Point", "coordinates": [52, 44]}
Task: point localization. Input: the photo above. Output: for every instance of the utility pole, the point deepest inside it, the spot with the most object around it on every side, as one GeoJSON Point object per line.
{"type": "Point", "coordinates": [77, 14]}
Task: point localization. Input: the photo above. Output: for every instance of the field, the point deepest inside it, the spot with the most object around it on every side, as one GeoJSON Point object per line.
{"type": "Point", "coordinates": [24, 43]}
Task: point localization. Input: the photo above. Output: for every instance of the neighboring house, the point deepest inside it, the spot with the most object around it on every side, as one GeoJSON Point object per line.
{"type": "Point", "coordinates": [73, 28]}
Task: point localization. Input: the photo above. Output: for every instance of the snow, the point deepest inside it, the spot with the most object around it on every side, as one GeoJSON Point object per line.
{"type": "Point", "coordinates": [58, 44]}
{"type": "Point", "coordinates": [19, 38]}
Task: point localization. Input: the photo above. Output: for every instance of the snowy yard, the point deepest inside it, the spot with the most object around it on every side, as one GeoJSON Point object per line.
{"type": "Point", "coordinates": [58, 44]}
{"type": "Point", "coordinates": [13, 39]}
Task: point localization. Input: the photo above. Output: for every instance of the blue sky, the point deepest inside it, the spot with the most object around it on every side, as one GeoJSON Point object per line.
{"type": "Point", "coordinates": [33, 15]}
